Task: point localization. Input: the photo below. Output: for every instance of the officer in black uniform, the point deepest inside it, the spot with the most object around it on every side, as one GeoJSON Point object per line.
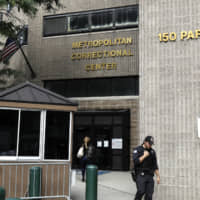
{"type": "Point", "coordinates": [145, 164]}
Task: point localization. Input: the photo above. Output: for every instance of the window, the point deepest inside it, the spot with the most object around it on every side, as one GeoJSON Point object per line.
{"type": "Point", "coordinates": [74, 86]}
{"type": "Point", "coordinates": [1, 17]}
{"type": "Point", "coordinates": [77, 23]}
{"type": "Point", "coordinates": [115, 86]}
{"type": "Point", "coordinates": [23, 135]}
{"type": "Point", "coordinates": [57, 135]}
{"type": "Point", "coordinates": [55, 26]}
{"type": "Point", "coordinates": [27, 132]}
{"type": "Point", "coordinates": [59, 87]}
{"type": "Point", "coordinates": [99, 87]}
{"type": "Point", "coordinates": [107, 19]}
{"type": "Point", "coordinates": [8, 132]}
{"type": "Point", "coordinates": [126, 16]}
{"type": "Point", "coordinates": [125, 86]}
{"type": "Point", "coordinates": [23, 36]}
{"type": "Point", "coordinates": [102, 20]}
{"type": "Point", "coordinates": [29, 136]}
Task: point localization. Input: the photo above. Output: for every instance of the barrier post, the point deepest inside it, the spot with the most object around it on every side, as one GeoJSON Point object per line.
{"type": "Point", "coordinates": [34, 182]}
{"type": "Point", "coordinates": [2, 193]}
{"type": "Point", "coordinates": [91, 182]}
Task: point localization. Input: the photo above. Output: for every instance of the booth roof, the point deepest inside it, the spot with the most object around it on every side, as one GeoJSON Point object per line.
{"type": "Point", "coordinates": [30, 93]}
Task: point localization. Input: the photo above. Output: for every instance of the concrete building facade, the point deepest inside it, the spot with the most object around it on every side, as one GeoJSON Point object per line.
{"type": "Point", "coordinates": [100, 57]}
{"type": "Point", "coordinates": [169, 92]}
{"type": "Point", "coordinates": [162, 52]}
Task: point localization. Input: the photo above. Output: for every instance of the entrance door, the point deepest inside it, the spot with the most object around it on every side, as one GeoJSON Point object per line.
{"type": "Point", "coordinates": [109, 133]}
{"type": "Point", "coordinates": [103, 146]}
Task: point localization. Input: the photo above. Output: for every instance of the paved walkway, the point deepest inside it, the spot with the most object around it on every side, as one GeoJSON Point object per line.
{"type": "Point", "coordinates": [112, 185]}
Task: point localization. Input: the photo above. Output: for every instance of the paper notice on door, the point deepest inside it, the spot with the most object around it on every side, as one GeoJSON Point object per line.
{"type": "Point", "coordinates": [99, 143]}
{"type": "Point", "coordinates": [117, 143]}
{"type": "Point", "coordinates": [106, 143]}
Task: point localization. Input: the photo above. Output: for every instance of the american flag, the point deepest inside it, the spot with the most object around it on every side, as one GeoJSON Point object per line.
{"type": "Point", "coordinates": [9, 49]}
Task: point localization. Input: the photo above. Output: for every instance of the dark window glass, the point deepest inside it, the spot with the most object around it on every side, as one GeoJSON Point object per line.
{"type": "Point", "coordinates": [99, 87]}
{"type": "Point", "coordinates": [96, 87]}
{"type": "Point", "coordinates": [126, 16]}
{"type": "Point", "coordinates": [1, 17]}
{"type": "Point", "coordinates": [77, 23]}
{"type": "Point", "coordinates": [117, 119]}
{"type": "Point", "coordinates": [54, 26]}
{"type": "Point", "coordinates": [101, 20]}
{"type": "Point", "coordinates": [91, 21]}
{"type": "Point", "coordinates": [23, 36]}
{"type": "Point", "coordinates": [29, 137]}
{"type": "Point", "coordinates": [83, 120]}
{"type": "Point", "coordinates": [8, 132]}
{"type": "Point", "coordinates": [58, 86]}
{"type": "Point", "coordinates": [57, 135]}
{"type": "Point", "coordinates": [117, 132]}
{"type": "Point", "coordinates": [124, 86]}
{"type": "Point", "coordinates": [103, 120]}
{"type": "Point", "coordinates": [77, 88]}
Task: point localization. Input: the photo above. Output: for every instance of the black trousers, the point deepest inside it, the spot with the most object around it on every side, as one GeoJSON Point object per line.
{"type": "Point", "coordinates": [145, 186]}
{"type": "Point", "coordinates": [84, 162]}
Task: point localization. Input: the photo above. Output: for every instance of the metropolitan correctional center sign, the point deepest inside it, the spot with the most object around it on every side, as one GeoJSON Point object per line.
{"type": "Point", "coordinates": [101, 54]}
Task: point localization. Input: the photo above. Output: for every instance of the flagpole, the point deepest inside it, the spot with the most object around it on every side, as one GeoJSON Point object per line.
{"type": "Point", "coordinates": [33, 75]}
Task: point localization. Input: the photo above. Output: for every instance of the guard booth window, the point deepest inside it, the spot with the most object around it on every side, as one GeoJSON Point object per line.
{"type": "Point", "coordinates": [57, 135]}
{"type": "Point", "coordinates": [27, 132]}
{"type": "Point", "coordinates": [8, 132]}
{"type": "Point", "coordinates": [29, 137]}
{"type": "Point", "coordinates": [22, 134]}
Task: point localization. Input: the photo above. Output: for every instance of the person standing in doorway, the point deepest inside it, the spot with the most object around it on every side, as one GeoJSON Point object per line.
{"type": "Point", "coordinates": [145, 164]}
{"type": "Point", "coordinates": [88, 155]}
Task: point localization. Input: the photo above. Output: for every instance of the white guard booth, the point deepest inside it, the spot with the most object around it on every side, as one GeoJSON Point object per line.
{"type": "Point", "coordinates": [36, 128]}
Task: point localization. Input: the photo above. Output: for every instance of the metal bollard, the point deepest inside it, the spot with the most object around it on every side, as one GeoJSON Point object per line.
{"type": "Point", "coordinates": [2, 193]}
{"type": "Point", "coordinates": [34, 182]}
{"type": "Point", "coordinates": [91, 182]}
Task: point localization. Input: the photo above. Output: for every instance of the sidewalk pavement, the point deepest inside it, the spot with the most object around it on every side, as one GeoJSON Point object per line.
{"type": "Point", "coordinates": [112, 185]}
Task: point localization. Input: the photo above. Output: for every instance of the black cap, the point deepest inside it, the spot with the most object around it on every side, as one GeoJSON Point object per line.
{"type": "Point", "coordinates": [149, 139]}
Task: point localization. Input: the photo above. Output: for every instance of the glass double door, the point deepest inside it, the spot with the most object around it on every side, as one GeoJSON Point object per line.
{"type": "Point", "coordinates": [103, 146]}
{"type": "Point", "coordinates": [109, 133]}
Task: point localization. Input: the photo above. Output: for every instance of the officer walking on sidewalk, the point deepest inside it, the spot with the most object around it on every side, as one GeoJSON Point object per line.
{"type": "Point", "coordinates": [145, 163]}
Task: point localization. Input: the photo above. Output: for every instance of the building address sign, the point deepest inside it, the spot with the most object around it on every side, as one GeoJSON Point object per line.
{"type": "Point", "coordinates": [183, 35]}
{"type": "Point", "coordinates": [103, 52]}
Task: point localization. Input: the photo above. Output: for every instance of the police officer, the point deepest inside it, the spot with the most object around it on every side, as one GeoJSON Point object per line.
{"type": "Point", "coordinates": [145, 163]}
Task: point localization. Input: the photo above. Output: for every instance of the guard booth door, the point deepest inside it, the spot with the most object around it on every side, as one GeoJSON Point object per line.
{"type": "Point", "coordinates": [109, 133]}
